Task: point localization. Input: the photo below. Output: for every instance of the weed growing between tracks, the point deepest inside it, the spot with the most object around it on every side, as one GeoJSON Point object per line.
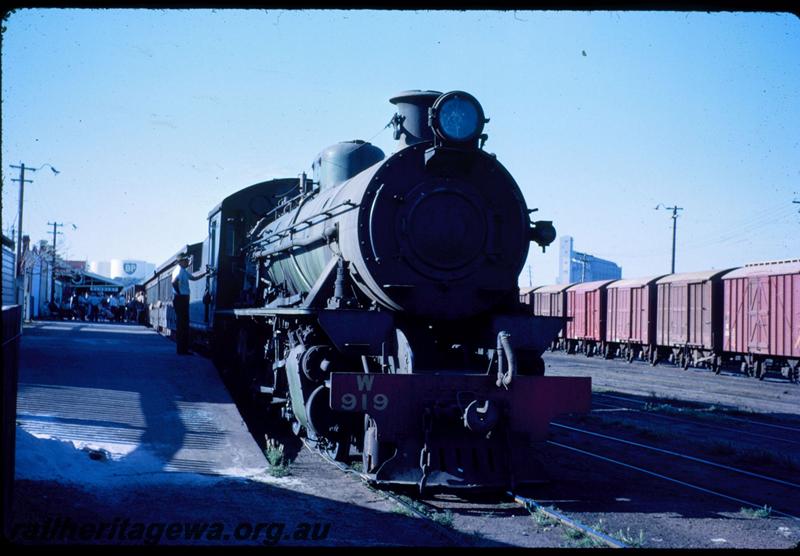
{"type": "Point", "coordinates": [626, 537]}
{"type": "Point", "coordinates": [747, 456]}
{"type": "Point", "coordinates": [760, 457]}
{"type": "Point", "coordinates": [630, 539]}
{"type": "Point", "coordinates": [357, 466]}
{"type": "Point", "coordinates": [579, 539]}
{"type": "Point", "coordinates": [756, 513]}
{"type": "Point", "coordinates": [278, 463]}
{"type": "Point", "coordinates": [674, 406]}
{"type": "Point", "coordinates": [444, 518]}
{"type": "Point", "coordinates": [541, 518]}
{"type": "Point", "coordinates": [766, 457]}
{"type": "Point", "coordinates": [642, 431]}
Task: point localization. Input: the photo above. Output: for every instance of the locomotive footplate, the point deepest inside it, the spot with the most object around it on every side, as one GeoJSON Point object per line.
{"type": "Point", "coordinates": [456, 430]}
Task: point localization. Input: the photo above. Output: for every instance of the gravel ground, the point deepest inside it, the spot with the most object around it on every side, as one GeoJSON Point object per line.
{"type": "Point", "coordinates": [314, 506]}
{"type": "Point", "coordinates": [81, 499]}
{"type": "Point", "coordinates": [118, 439]}
{"type": "Point", "coordinates": [656, 513]}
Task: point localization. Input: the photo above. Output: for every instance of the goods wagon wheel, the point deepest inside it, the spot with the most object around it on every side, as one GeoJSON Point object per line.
{"type": "Point", "coordinates": [686, 359]}
{"type": "Point", "coordinates": [653, 357]}
{"type": "Point", "coordinates": [716, 365]}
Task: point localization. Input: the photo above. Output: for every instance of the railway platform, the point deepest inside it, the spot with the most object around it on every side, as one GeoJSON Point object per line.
{"type": "Point", "coordinates": [121, 441]}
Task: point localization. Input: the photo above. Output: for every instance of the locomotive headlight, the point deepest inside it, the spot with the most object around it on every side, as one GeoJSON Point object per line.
{"type": "Point", "coordinates": [457, 117]}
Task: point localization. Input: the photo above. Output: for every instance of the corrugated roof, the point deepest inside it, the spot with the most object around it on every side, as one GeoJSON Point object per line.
{"type": "Point", "coordinates": [635, 282]}
{"type": "Point", "coordinates": [693, 276]}
{"type": "Point", "coordinates": [588, 286]}
{"type": "Point", "coordinates": [553, 288]}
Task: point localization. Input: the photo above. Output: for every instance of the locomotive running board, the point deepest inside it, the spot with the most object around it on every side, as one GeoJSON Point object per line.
{"type": "Point", "coordinates": [421, 416]}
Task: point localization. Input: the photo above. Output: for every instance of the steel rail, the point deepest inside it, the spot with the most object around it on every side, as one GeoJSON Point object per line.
{"type": "Point", "coordinates": [569, 522]}
{"type": "Point", "coordinates": [676, 454]}
{"type": "Point", "coordinates": [524, 501]}
{"type": "Point", "coordinates": [449, 533]}
{"type": "Point", "coordinates": [670, 479]}
{"type": "Point", "coordinates": [702, 424]}
{"type": "Point", "coordinates": [792, 429]}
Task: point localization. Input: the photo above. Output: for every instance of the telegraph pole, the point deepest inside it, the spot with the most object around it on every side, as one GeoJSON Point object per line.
{"type": "Point", "coordinates": [22, 181]}
{"type": "Point", "coordinates": [674, 210]}
{"type": "Point", "coordinates": [53, 267]}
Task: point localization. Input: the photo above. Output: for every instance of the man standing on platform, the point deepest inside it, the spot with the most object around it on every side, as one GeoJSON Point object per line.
{"type": "Point", "coordinates": [180, 287]}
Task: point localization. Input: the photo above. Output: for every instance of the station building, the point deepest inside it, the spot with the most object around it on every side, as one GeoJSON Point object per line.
{"type": "Point", "coordinates": [9, 272]}
{"type": "Point", "coordinates": [124, 271]}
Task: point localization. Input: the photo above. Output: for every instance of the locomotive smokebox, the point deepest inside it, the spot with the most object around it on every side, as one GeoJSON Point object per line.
{"type": "Point", "coordinates": [411, 121]}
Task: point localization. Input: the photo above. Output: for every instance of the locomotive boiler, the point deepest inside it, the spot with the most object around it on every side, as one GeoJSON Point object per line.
{"type": "Point", "coordinates": [379, 310]}
{"type": "Point", "coordinates": [389, 288]}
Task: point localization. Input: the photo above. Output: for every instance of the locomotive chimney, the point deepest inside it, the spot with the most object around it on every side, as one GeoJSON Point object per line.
{"type": "Point", "coordinates": [411, 120]}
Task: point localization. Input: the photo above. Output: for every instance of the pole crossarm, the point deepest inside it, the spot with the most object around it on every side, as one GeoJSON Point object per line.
{"type": "Point", "coordinates": [674, 210]}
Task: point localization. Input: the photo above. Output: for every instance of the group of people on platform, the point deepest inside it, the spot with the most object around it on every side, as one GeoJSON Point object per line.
{"type": "Point", "coordinates": [94, 307]}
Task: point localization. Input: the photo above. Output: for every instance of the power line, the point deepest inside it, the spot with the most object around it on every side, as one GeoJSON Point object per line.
{"type": "Point", "coordinates": [22, 181]}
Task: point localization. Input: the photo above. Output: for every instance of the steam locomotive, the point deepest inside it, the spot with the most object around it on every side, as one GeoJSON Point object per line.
{"type": "Point", "coordinates": [376, 304]}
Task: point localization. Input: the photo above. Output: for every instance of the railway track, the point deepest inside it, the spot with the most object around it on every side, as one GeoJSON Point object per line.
{"type": "Point", "coordinates": [716, 487]}
{"type": "Point", "coordinates": [501, 508]}
{"type": "Point", "coordinates": [606, 478]}
{"type": "Point", "coordinates": [777, 432]}
{"type": "Point", "coordinates": [725, 478]}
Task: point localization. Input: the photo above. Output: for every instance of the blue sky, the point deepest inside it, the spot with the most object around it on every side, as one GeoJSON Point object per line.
{"type": "Point", "coordinates": [153, 116]}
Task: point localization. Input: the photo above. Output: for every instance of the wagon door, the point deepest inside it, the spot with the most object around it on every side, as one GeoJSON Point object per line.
{"type": "Point", "coordinates": [546, 309]}
{"type": "Point", "coordinates": [623, 314]}
{"type": "Point", "coordinates": [581, 314]}
{"type": "Point", "coordinates": [571, 326]}
{"type": "Point", "coordinates": [758, 313]}
{"type": "Point", "coordinates": [593, 315]}
{"type": "Point", "coordinates": [612, 319]}
{"type": "Point", "coordinates": [678, 314]}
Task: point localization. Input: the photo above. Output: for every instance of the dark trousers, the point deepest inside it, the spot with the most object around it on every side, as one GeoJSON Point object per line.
{"type": "Point", "coordinates": [181, 305]}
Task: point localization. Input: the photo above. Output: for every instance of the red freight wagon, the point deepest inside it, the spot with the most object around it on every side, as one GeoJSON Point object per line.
{"type": "Point", "coordinates": [551, 301]}
{"type": "Point", "coordinates": [631, 317]}
{"type": "Point", "coordinates": [586, 308]}
{"type": "Point", "coordinates": [762, 316]}
{"type": "Point", "coordinates": [689, 318]}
